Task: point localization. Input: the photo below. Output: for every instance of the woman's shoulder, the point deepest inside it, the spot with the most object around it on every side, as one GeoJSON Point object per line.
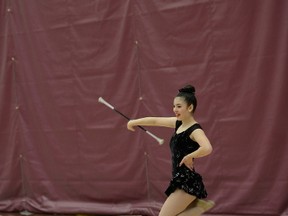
{"type": "Point", "coordinates": [178, 123]}
{"type": "Point", "coordinates": [196, 126]}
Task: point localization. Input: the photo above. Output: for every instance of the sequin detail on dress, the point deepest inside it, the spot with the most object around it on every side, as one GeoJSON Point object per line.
{"type": "Point", "coordinates": [183, 178]}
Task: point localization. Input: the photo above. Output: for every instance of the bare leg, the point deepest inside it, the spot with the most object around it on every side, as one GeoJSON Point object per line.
{"type": "Point", "coordinates": [194, 211]}
{"type": "Point", "coordinates": [197, 207]}
{"type": "Point", "coordinates": [176, 203]}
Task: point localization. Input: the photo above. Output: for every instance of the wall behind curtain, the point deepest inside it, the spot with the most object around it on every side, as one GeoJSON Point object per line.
{"type": "Point", "coordinates": [63, 152]}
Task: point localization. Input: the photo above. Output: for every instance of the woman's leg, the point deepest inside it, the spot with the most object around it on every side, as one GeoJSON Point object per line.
{"type": "Point", "coordinates": [197, 207]}
{"type": "Point", "coordinates": [192, 211]}
{"type": "Point", "coordinates": [176, 203]}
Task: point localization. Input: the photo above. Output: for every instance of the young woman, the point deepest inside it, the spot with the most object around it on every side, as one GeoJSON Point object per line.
{"type": "Point", "coordinates": [186, 190]}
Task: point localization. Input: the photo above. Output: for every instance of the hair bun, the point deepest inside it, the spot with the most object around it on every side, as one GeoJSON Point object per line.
{"type": "Point", "coordinates": [188, 89]}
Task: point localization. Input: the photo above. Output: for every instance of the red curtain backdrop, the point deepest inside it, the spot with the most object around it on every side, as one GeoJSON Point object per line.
{"type": "Point", "coordinates": [63, 152]}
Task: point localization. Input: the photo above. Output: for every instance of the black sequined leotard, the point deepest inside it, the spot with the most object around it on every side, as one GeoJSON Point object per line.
{"type": "Point", "coordinates": [190, 181]}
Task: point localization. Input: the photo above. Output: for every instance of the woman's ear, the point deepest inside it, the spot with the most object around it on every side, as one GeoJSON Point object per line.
{"type": "Point", "coordinates": [190, 108]}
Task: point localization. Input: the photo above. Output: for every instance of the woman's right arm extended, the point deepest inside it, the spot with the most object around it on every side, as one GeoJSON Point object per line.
{"type": "Point", "coordinates": [152, 121]}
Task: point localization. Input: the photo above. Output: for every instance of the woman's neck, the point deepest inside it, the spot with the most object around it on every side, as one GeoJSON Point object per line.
{"type": "Point", "coordinates": [188, 121]}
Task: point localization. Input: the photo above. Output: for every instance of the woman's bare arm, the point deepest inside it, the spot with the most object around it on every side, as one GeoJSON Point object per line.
{"type": "Point", "coordinates": [152, 121]}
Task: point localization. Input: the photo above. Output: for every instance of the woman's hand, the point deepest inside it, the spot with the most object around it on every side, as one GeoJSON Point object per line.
{"type": "Point", "coordinates": [188, 161]}
{"type": "Point", "coordinates": [131, 125]}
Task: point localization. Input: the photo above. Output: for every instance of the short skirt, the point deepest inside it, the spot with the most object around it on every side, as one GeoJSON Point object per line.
{"type": "Point", "coordinates": [187, 180]}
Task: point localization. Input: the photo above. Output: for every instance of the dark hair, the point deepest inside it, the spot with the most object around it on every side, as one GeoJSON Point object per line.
{"type": "Point", "coordinates": [188, 93]}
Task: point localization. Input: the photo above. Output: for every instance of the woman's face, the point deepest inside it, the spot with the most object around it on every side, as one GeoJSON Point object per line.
{"type": "Point", "coordinates": [181, 109]}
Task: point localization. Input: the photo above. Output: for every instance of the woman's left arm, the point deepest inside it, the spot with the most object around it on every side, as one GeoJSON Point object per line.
{"type": "Point", "coordinates": [205, 148]}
